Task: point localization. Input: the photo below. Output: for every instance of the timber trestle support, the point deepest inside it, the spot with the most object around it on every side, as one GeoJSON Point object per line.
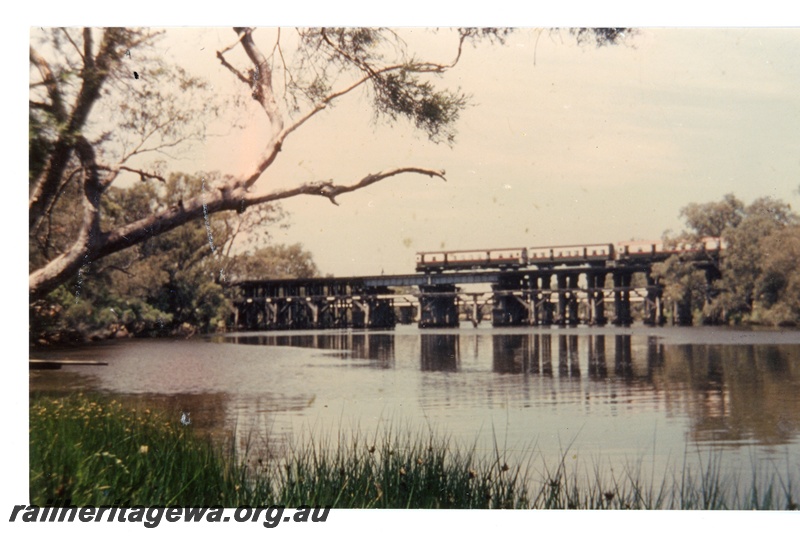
{"type": "Point", "coordinates": [593, 295]}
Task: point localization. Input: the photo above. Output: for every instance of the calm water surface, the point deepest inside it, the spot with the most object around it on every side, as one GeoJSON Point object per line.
{"type": "Point", "coordinates": [606, 397]}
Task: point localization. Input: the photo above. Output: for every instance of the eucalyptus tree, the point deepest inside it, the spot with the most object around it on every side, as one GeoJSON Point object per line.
{"type": "Point", "coordinates": [90, 123]}
{"type": "Point", "coordinates": [778, 283]}
{"type": "Point", "coordinates": [751, 248]}
{"type": "Point", "coordinates": [755, 282]}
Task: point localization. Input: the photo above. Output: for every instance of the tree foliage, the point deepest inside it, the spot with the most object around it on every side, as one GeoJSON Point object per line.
{"type": "Point", "coordinates": [748, 249]}
{"type": "Point", "coordinates": [274, 262]}
{"type": "Point", "coordinates": [92, 122]}
{"type": "Point", "coordinates": [712, 219]}
{"type": "Point", "coordinates": [682, 281]}
{"type": "Point", "coordinates": [778, 283]}
{"type": "Point", "coordinates": [756, 266]}
{"type": "Point", "coordinates": [80, 79]}
{"type": "Point", "coordinates": [175, 282]}
{"type": "Point", "coordinates": [154, 257]}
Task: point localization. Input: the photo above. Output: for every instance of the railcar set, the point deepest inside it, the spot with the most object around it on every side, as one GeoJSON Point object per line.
{"type": "Point", "coordinates": [543, 257]}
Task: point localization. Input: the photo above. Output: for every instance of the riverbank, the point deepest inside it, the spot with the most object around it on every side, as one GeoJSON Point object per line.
{"type": "Point", "coordinates": [73, 337]}
{"type": "Point", "coordinates": [94, 450]}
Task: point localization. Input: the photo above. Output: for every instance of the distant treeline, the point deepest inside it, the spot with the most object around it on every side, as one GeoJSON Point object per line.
{"type": "Point", "coordinates": [760, 281]}
{"type": "Point", "coordinates": [173, 283]}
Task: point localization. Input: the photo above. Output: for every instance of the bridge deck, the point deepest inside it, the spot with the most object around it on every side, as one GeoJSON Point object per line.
{"type": "Point", "coordinates": [434, 279]}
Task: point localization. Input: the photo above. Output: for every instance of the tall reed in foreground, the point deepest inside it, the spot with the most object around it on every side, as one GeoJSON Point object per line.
{"type": "Point", "coordinates": [397, 470]}
{"type": "Point", "coordinates": [95, 451]}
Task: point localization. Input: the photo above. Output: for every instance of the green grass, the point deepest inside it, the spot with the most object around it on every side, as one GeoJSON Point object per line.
{"type": "Point", "coordinates": [96, 451]}
{"type": "Point", "coordinates": [397, 470]}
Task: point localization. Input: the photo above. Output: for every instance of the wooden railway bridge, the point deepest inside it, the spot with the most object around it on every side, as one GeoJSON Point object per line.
{"type": "Point", "coordinates": [595, 294]}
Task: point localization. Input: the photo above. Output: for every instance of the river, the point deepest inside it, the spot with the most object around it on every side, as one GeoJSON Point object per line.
{"type": "Point", "coordinates": [609, 398]}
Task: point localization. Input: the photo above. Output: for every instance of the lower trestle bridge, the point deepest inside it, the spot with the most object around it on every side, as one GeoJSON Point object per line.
{"type": "Point", "coordinates": [593, 295]}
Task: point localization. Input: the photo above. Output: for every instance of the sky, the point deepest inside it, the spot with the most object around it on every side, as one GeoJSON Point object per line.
{"type": "Point", "coordinates": [561, 144]}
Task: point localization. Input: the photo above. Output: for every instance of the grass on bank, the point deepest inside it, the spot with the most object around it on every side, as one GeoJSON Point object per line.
{"type": "Point", "coordinates": [96, 451]}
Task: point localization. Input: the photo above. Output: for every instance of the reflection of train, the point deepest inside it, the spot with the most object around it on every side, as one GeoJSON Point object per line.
{"type": "Point", "coordinates": [515, 258]}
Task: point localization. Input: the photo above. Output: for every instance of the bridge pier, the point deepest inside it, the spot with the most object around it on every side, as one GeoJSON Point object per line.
{"type": "Point", "coordinates": [567, 299]}
{"type": "Point", "coordinates": [622, 299]}
{"type": "Point", "coordinates": [530, 297]}
{"type": "Point", "coordinates": [572, 305]}
{"type": "Point", "coordinates": [512, 304]}
{"type": "Point", "coordinates": [315, 308]}
{"type": "Point", "coordinates": [337, 314]}
{"type": "Point", "coordinates": [292, 314]}
{"type": "Point", "coordinates": [596, 283]}
{"type": "Point", "coordinates": [318, 312]}
{"type": "Point", "coordinates": [544, 307]}
{"type": "Point", "coordinates": [372, 312]}
{"type": "Point", "coordinates": [326, 313]}
{"type": "Point", "coordinates": [508, 310]}
{"type": "Point", "coordinates": [561, 308]}
{"type": "Point", "coordinates": [653, 303]}
{"type": "Point", "coordinates": [252, 314]}
{"type": "Point", "coordinates": [438, 306]}
{"type": "Point", "coordinates": [407, 314]}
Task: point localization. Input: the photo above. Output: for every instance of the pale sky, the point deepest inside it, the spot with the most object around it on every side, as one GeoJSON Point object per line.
{"type": "Point", "coordinates": [563, 144]}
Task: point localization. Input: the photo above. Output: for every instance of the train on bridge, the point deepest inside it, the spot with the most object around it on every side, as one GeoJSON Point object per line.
{"type": "Point", "coordinates": [543, 257]}
{"type": "Point", "coordinates": [561, 285]}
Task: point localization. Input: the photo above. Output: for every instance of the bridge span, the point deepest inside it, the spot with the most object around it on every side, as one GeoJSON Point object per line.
{"type": "Point", "coordinates": [592, 294]}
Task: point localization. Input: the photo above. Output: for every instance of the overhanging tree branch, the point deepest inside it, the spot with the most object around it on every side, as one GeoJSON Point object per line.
{"type": "Point", "coordinates": [330, 190]}
{"type": "Point", "coordinates": [82, 250]}
{"type": "Point", "coordinates": [228, 195]}
{"type": "Point", "coordinates": [93, 245]}
{"type": "Point", "coordinates": [114, 172]}
{"type": "Point", "coordinates": [400, 90]}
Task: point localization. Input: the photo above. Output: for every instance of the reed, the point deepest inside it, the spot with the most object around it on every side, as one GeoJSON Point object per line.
{"type": "Point", "coordinates": [95, 451]}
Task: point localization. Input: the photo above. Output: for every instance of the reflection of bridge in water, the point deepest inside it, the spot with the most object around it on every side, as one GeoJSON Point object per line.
{"type": "Point", "coordinates": [593, 294]}
{"type": "Point", "coordinates": [538, 354]}
{"type": "Point", "coordinates": [732, 393]}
